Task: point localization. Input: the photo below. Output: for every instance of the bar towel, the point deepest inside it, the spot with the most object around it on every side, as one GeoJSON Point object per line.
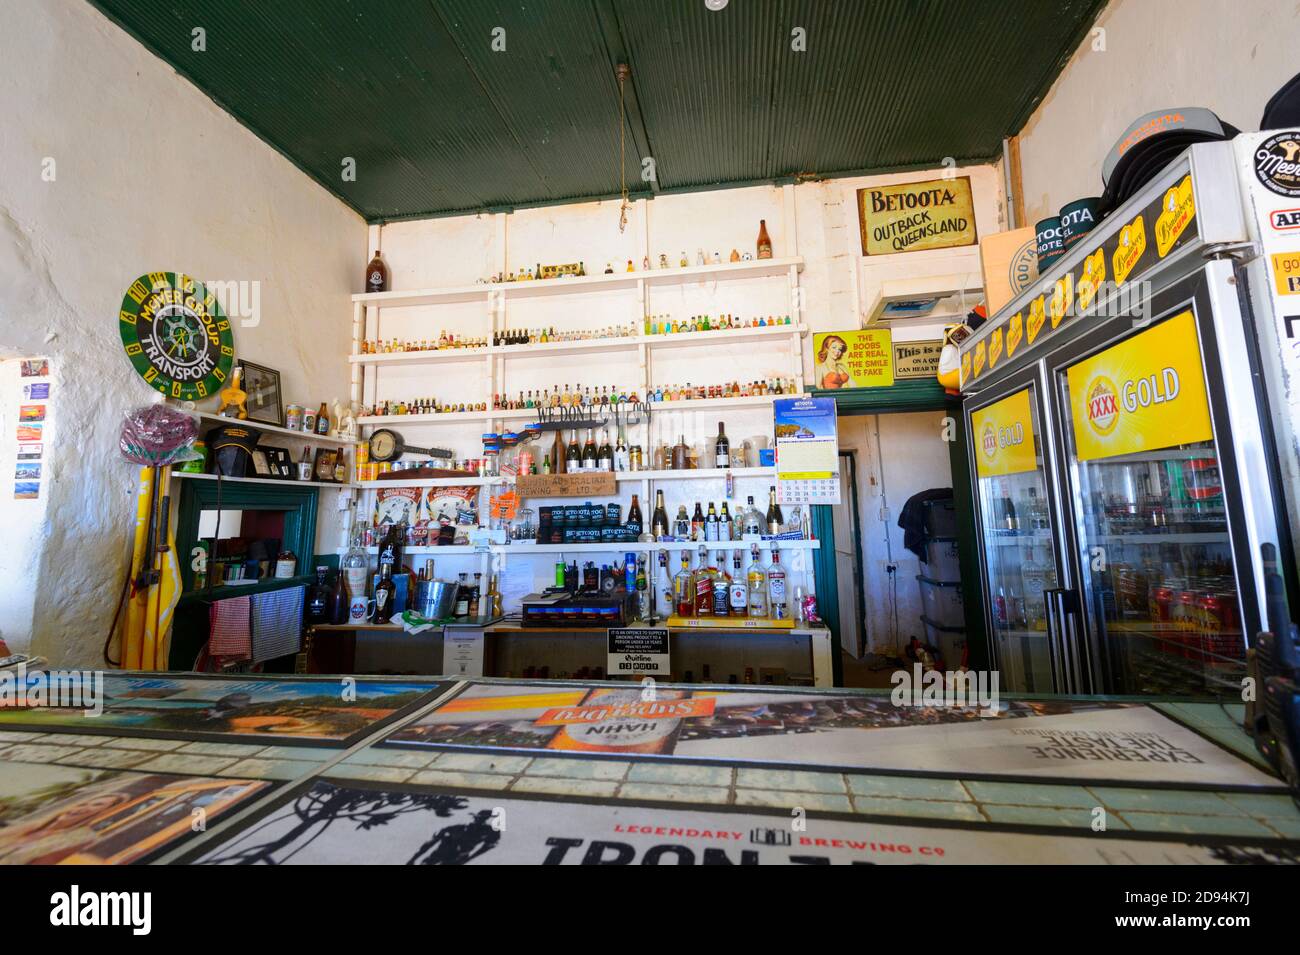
{"type": "Point", "coordinates": [277, 623]}
{"type": "Point", "coordinates": [229, 634]}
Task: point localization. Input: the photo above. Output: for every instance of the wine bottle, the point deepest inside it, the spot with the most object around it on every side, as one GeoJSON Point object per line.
{"type": "Point", "coordinates": [659, 519]}
{"type": "Point", "coordinates": [605, 455]}
{"type": "Point", "coordinates": [722, 449]}
{"type": "Point", "coordinates": [775, 520]}
{"type": "Point", "coordinates": [589, 457]}
{"type": "Point", "coordinates": [573, 455]}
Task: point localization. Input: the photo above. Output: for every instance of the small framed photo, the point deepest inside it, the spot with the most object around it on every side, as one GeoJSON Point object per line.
{"type": "Point", "coordinates": [280, 462]}
{"type": "Point", "coordinates": [324, 469]}
{"type": "Point", "coordinates": [261, 466]}
{"type": "Point", "coordinates": [265, 403]}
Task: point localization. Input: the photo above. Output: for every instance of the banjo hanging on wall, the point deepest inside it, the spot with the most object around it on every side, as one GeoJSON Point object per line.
{"type": "Point", "coordinates": [176, 335]}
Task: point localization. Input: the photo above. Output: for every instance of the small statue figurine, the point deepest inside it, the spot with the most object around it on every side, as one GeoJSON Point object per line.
{"type": "Point", "coordinates": [234, 397]}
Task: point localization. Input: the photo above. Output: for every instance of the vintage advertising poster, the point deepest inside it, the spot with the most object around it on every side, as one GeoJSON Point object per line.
{"type": "Point", "coordinates": [1147, 392]}
{"type": "Point", "coordinates": [327, 712]}
{"type": "Point", "coordinates": [859, 358]}
{"type": "Point", "coordinates": [51, 814]}
{"type": "Point", "coordinates": [914, 216]}
{"type": "Point", "coordinates": [807, 451]}
{"type": "Point", "coordinates": [1059, 739]}
{"type": "Point", "coordinates": [340, 822]}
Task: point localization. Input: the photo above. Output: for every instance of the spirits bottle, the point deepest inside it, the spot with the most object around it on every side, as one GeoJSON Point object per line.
{"type": "Point", "coordinates": [682, 523]}
{"type": "Point", "coordinates": [757, 580]}
{"type": "Point", "coordinates": [356, 567]}
{"type": "Point", "coordinates": [738, 589]}
{"type": "Point", "coordinates": [659, 518]}
{"type": "Point", "coordinates": [725, 528]}
{"type": "Point", "coordinates": [589, 457]}
{"type": "Point", "coordinates": [462, 595]}
{"type": "Point", "coordinates": [721, 586]}
{"type": "Point", "coordinates": [752, 522]}
{"type": "Point", "coordinates": [722, 449]}
{"type": "Point", "coordinates": [703, 586]}
{"type": "Point", "coordinates": [684, 588]}
{"type": "Point", "coordinates": [304, 464]}
{"type": "Point", "coordinates": [776, 588]}
{"type": "Point", "coordinates": [775, 519]}
{"type": "Point", "coordinates": [318, 598]}
{"type": "Point", "coordinates": [712, 531]}
{"type": "Point", "coordinates": [697, 523]}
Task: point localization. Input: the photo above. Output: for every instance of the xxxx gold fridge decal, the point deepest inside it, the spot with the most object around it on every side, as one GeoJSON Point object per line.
{"type": "Point", "coordinates": [1037, 317]}
{"type": "Point", "coordinates": [1094, 273]}
{"type": "Point", "coordinates": [1062, 298]}
{"type": "Point", "coordinates": [1015, 332]}
{"type": "Point", "coordinates": [995, 347]}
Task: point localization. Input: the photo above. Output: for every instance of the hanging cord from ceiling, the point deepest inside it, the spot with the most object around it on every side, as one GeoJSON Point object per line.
{"type": "Point", "coordinates": [624, 73]}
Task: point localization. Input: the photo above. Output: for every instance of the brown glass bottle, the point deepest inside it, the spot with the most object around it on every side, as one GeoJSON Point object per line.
{"type": "Point", "coordinates": [377, 274]}
{"type": "Point", "coordinates": [764, 242]}
{"type": "Point", "coordinates": [385, 594]}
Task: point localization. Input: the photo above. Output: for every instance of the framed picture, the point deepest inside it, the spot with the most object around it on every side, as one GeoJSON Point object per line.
{"type": "Point", "coordinates": [261, 465]}
{"type": "Point", "coordinates": [263, 387]}
{"type": "Point", "coordinates": [325, 458]}
{"type": "Point", "coordinates": [280, 462]}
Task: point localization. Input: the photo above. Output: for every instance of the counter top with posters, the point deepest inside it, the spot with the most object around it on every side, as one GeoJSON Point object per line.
{"type": "Point", "coordinates": [1193, 205]}
{"type": "Point", "coordinates": [616, 773]}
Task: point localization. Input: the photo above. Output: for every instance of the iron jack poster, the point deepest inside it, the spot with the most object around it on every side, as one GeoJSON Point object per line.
{"type": "Point", "coordinates": [915, 216]}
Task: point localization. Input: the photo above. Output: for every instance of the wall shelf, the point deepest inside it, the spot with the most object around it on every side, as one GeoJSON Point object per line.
{"type": "Point", "coordinates": [485, 291]}
{"type": "Point", "coordinates": [525, 549]}
{"type": "Point", "coordinates": [273, 429]}
{"type": "Point", "coordinates": [188, 476]}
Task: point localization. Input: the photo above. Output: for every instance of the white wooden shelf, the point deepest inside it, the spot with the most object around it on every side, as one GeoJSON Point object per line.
{"type": "Point", "coordinates": [273, 429]}
{"type": "Point", "coordinates": [526, 548]}
{"type": "Point", "coordinates": [248, 480]}
{"type": "Point", "coordinates": [483, 291]}
{"type": "Point", "coordinates": [541, 349]}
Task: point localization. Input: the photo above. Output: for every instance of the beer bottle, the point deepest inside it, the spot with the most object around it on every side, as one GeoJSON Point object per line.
{"type": "Point", "coordinates": [764, 242]}
{"type": "Point", "coordinates": [385, 594]}
{"type": "Point", "coordinates": [377, 274]}
{"type": "Point", "coordinates": [323, 420]}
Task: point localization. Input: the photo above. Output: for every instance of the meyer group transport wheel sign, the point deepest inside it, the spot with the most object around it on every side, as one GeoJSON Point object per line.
{"type": "Point", "coordinates": [176, 335]}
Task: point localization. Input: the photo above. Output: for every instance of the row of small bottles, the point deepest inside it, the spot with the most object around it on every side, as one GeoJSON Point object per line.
{"type": "Point", "coordinates": [707, 590]}
{"type": "Point", "coordinates": [666, 325]}
{"type": "Point", "coordinates": [606, 396]}
{"type": "Point", "coordinates": [443, 342]}
{"type": "Point", "coordinates": [734, 389]}
{"type": "Point", "coordinates": [423, 406]}
{"type": "Point", "coordinates": [542, 336]}
{"type": "Point", "coordinates": [716, 525]}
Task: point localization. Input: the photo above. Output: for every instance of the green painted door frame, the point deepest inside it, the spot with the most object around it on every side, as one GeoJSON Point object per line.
{"type": "Point", "coordinates": [909, 396]}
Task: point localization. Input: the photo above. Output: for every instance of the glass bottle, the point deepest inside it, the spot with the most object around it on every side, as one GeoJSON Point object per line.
{"type": "Point", "coordinates": [752, 522]}
{"type": "Point", "coordinates": [756, 578]}
{"type": "Point", "coordinates": [725, 529]}
{"type": "Point", "coordinates": [377, 274]}
{"type": "Point", "coordinates": [682, 523]}
{"type": "Point", "coordinates": [738, 589]}
{"type": "Point", "coordinates": [659, 518]}
{"type": "Point", "coordinates": [712, 528]}
{"type": "Point", "coordinates": [697, 523]}
{"type": "Point", "coordinates": [776, 588]}
{"type": "Point", "coordinates": [702, 590]}
{"type": "Point", "coordinates": [589, 457]}
{"type": "Point", "coordinates": [681, 455]}
{"type": "Point", "coordinates": [573, 455]}
{"type": "Point", "coordinates": [721, 586]}
{"type": "Point", "coordinates": [385, 594]}
{"type": "Point", "coordinates": [775, 519]}
{"type": "Point", "coordinates": [356, 567]}
{"type": "Point", "coordinates": [764, 244]}
{"type": "Point", "coordinates": [722, 449]}
{"type": "Point", "coordinates": [605, 454]}
{"type": "Point", "coordinates": [683, 588]}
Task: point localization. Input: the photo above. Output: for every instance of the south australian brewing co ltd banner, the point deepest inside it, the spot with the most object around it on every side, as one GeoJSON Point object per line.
{"type": "Point", "coordinates": [912, 216]}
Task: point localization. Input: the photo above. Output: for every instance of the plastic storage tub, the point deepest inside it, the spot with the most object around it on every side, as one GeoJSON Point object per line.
{"type": "Point", "coordinates": [951, 642]}
{"type": "Point", "coordinates": [941, 559]}
{"type": "Point", "coordinates": [941, 601]}
{"type": "Point", "coordinates": [940, 518]}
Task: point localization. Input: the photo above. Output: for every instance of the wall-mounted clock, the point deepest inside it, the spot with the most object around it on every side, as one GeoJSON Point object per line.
{"type": "Point", "coordinates": [176, 336]}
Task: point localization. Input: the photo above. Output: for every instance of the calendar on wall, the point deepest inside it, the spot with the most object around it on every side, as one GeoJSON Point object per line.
{"type": "Point", "coordinates": [807, 451]}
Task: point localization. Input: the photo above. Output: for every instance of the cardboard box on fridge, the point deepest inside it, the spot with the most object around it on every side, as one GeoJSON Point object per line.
{"type": "Point", "coordinates": [1009, 261]}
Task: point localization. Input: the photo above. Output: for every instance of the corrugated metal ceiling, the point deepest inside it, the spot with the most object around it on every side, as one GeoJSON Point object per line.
{"type": "Point", "coordinates": [438, 121]}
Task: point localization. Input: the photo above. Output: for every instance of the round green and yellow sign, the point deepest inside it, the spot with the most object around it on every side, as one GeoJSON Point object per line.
{"type": "Point", "coordinates": [176, 336]}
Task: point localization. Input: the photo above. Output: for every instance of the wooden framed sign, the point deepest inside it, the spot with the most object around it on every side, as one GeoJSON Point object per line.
{"type": "Point", "coordinates": [578, 484]}
{"type": "Point", "coordinates": [914, 216]}
{"type": "Point", "coordinates": [917, 359]}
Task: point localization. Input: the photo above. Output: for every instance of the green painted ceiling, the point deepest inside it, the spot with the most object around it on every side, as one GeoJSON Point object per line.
{"type": "Point", "coordinates": [439, 122]}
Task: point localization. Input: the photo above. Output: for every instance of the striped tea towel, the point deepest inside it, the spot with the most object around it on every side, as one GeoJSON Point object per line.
{"type": "Point", "coordinates": [277, 623]}
{"type": "Point", "coordinates": [229, 635]}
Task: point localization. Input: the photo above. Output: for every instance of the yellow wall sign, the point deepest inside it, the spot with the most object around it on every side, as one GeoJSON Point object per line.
{"type": "Point", "coordinates": [911, 216]}
{"type": "Point", "coordinates": [1146, 393]}
{"type": "Point", "coordinates": [1286, 273]}
{"type": "Point", "coordinates": [1004, 436]}
{"type": "Point", "coordinates": [862, 358]}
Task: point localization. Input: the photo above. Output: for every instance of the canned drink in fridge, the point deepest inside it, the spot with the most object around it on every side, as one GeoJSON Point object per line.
{"type": "Point", "coordinates": [1162, 620]}
{"type": "Point", "coordinates": [1221, 635]}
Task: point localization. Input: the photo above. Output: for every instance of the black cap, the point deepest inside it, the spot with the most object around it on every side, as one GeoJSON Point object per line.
{"type": "Point", "coordinates": [1283, 110]}
{"type": "Point", "coordinates": [1150, 143]}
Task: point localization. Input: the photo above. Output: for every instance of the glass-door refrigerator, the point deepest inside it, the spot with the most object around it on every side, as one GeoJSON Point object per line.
{"type": "Point", "coordinates": [1126, 486]}
{"type": "Point", "coordinates": [1166, 489]}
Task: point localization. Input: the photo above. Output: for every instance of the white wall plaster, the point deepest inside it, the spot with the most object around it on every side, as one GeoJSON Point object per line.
{"type": "Point", "coordinates": [149, 175]}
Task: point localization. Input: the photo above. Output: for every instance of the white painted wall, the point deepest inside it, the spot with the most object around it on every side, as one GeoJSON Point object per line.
{"type": "Point", "coordinates": [1227, 55]}
{"type": "Point", "coordinates": [149, 175]}
{"type": "Point", "coordinates": [22, 520]}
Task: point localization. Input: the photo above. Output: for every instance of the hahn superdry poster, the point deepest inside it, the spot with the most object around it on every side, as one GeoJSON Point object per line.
{"type": "Point", "coordinates": [1061, 739]}
{"type": "Point", "coordinates": [338, 822]}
